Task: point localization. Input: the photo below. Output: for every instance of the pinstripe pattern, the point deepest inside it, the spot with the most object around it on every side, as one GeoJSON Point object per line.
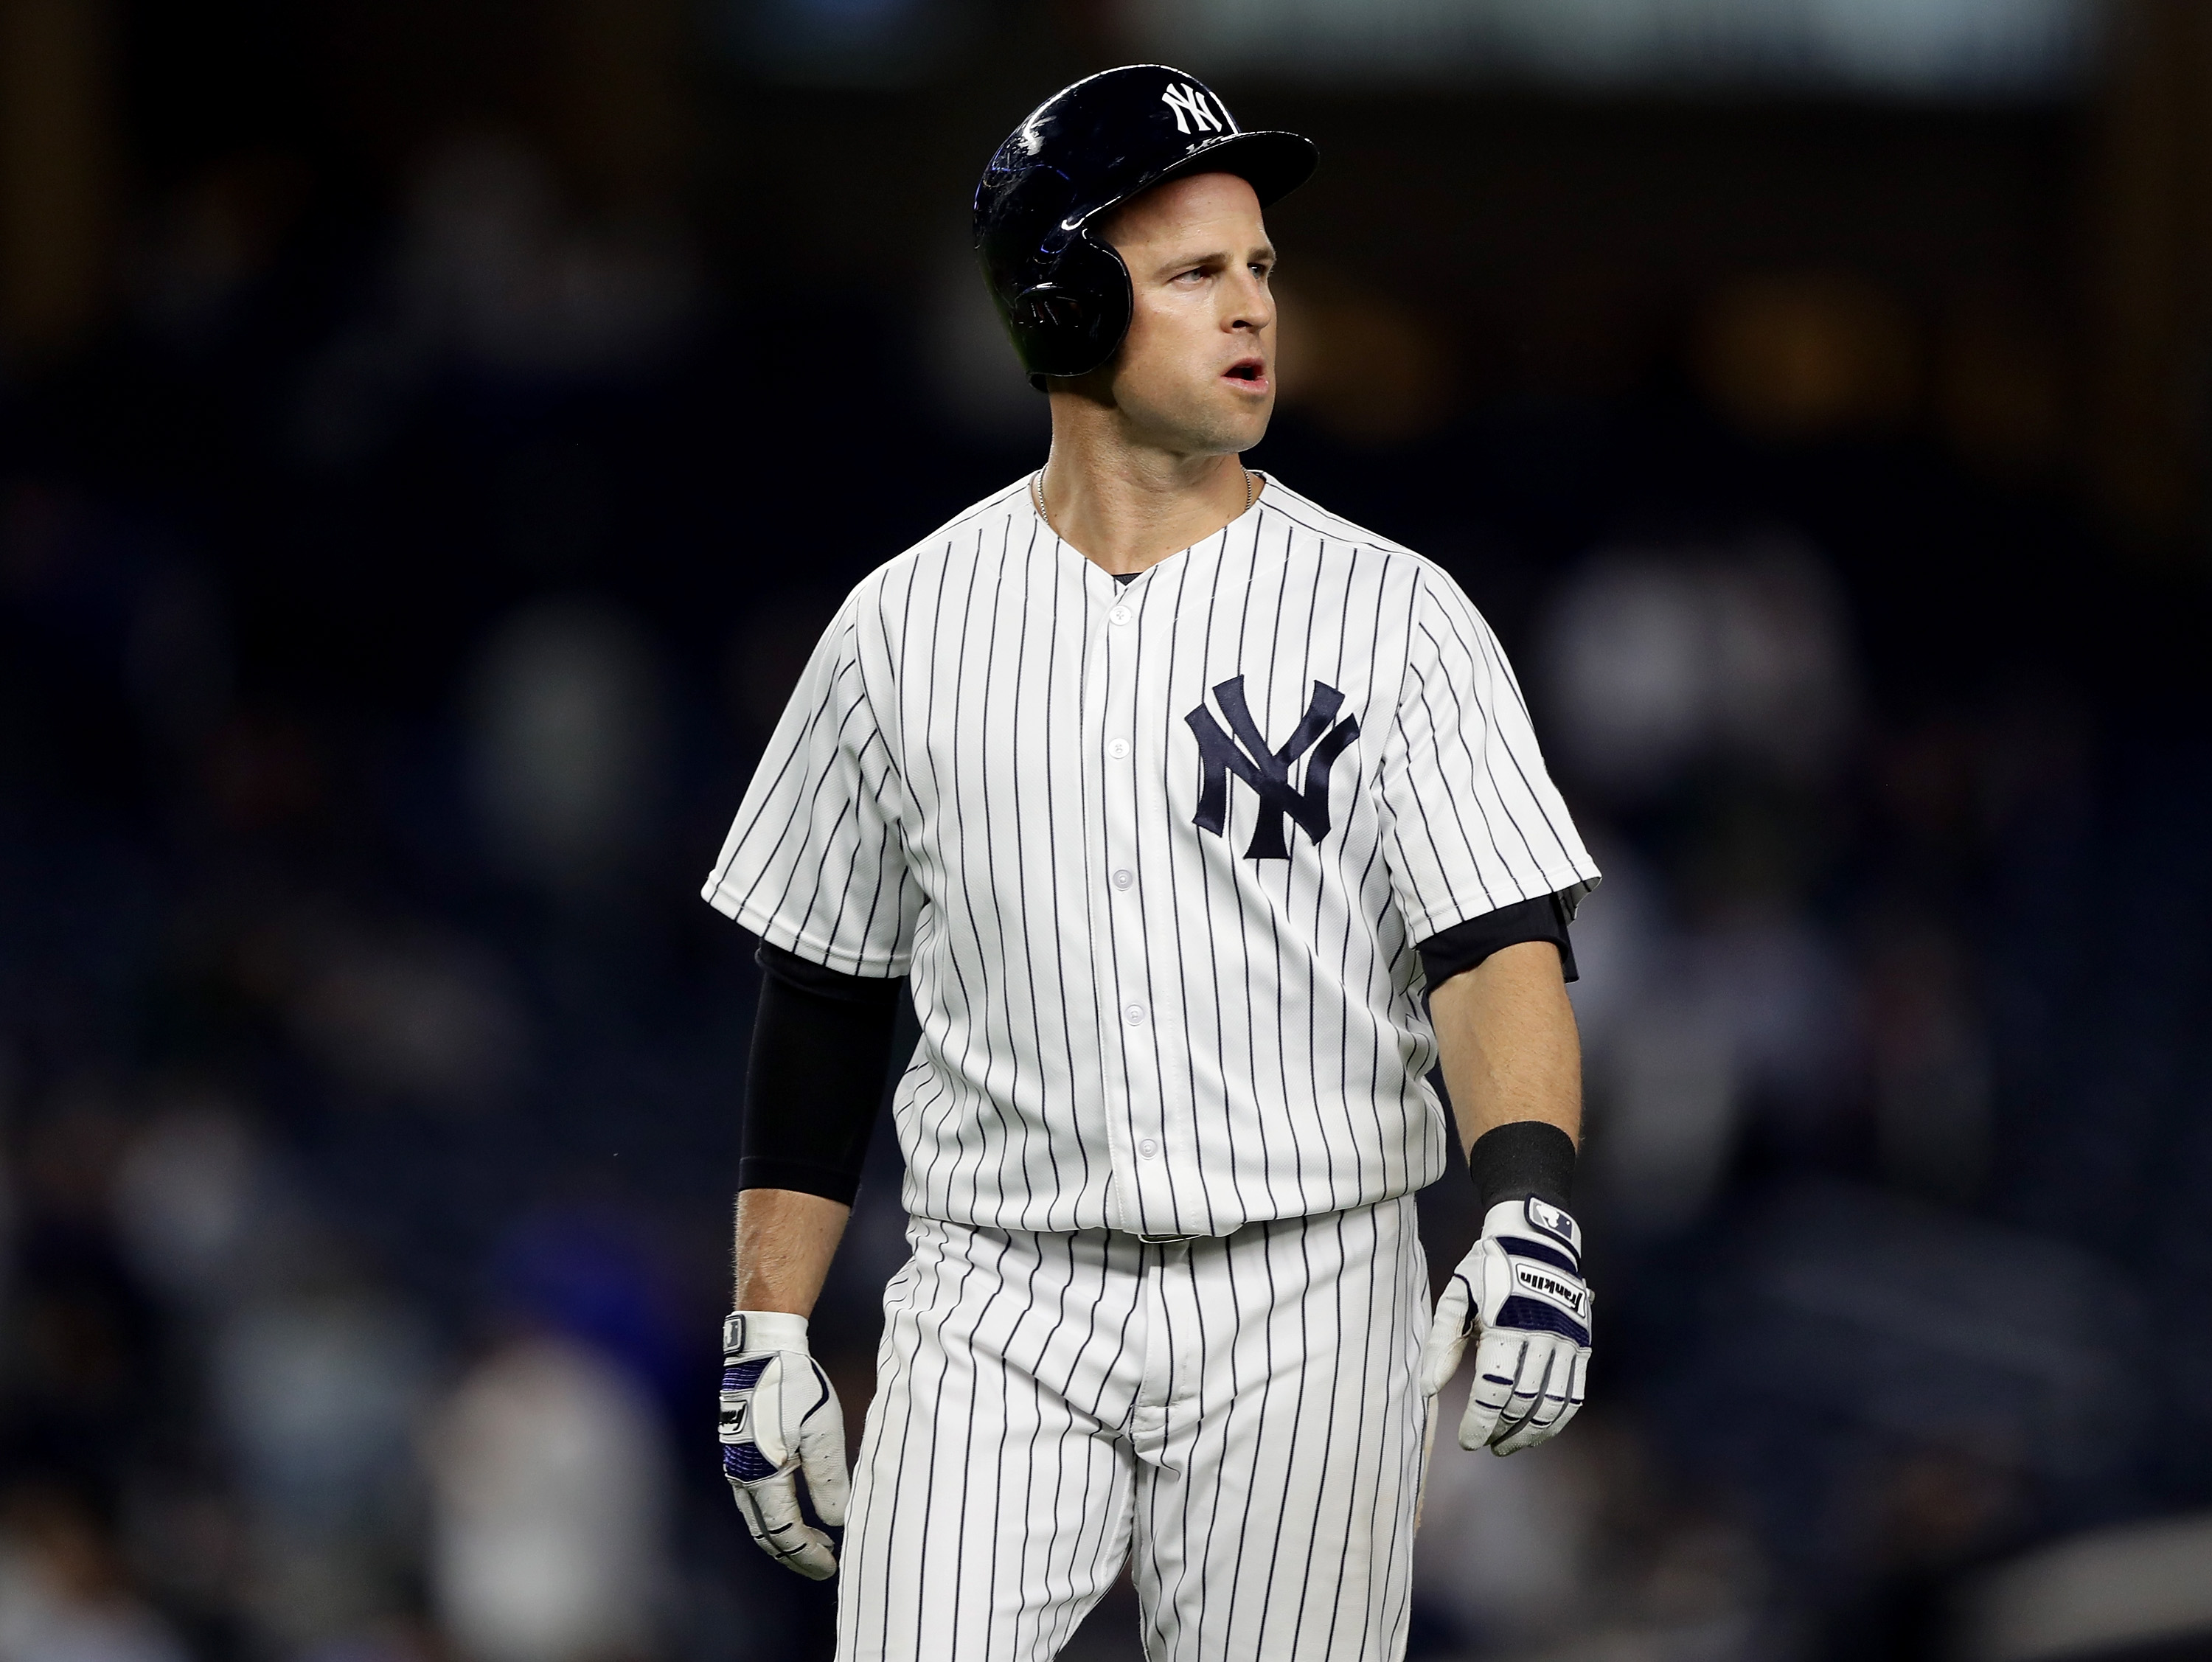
{"type": "Point", "coordinates": [1240, 1418]}
{"type": "Point", "coordinates": [987, 779]}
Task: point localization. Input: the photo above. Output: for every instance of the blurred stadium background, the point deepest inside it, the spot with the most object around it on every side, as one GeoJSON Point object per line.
{"type": "Point", "coordinates": [430, 437]}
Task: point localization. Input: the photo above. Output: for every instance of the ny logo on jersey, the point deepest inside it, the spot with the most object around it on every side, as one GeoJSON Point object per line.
{"type": "Point", "coordinates": [1269, 770]}
{"type": "Point", "coordinates": [1188, 98]}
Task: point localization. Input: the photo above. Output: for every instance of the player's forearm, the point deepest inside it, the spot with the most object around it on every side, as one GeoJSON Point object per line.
{"type": "Point", "coordinates": [1507, 1035]}
{"type": "Point", "coordinates": [786, 1239]}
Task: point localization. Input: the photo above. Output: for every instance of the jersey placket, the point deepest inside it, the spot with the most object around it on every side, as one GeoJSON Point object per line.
{"type": "Point", "coordinates": [1131, 754]}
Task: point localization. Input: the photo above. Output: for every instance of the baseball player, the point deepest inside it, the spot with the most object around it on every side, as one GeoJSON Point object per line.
{"type": "Point", "coordinates": [1200, 823]}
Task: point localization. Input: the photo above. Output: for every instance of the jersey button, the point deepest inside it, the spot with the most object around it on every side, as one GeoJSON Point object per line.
{"type": "Point", "coordinates": [1118, 749]}
{"type": "Point", "coordinates": [1148, 1149]}
{"type": "Point", "coordinates": [1120, 614]}
{"type": "Point", "coordinates": [1123, 878]}
{"type": "Point", "coordinates": [1133, 1014]}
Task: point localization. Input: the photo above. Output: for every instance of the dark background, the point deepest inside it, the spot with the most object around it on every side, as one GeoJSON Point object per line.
{"type": "Point", "coordinates": [431, 437]}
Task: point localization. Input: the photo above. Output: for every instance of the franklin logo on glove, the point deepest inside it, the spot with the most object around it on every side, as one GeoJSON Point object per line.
{"type": "Point", "coordinates": [1571, 1296]}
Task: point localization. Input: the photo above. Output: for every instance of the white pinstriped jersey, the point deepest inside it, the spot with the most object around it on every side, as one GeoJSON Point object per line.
{"type": "Point", "coordinates": [1155, 857]}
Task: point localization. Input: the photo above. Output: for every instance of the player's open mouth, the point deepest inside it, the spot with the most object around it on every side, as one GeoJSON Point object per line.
{"type": "Point", "coordinates": [1251, 373]}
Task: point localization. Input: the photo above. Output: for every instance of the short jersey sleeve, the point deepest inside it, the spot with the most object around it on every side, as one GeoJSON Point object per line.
{"type": "Point", "coordinates": [814, 861]}
{"type": "Point", "coordinates": [1474, 821]}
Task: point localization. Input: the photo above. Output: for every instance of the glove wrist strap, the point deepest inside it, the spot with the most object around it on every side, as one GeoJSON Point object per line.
{"type": "Point", "coordinates": [1531, 1219]}
{"type": "Point", "coordinates": [749, 1331]}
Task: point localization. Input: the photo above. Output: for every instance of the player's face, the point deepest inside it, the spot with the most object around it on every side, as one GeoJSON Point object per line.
{"type": "Point", "coordinates": [1197, 372]}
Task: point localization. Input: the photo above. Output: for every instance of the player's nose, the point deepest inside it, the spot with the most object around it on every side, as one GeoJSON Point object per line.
{"type": "Point", "coordinates": [1253, 307]}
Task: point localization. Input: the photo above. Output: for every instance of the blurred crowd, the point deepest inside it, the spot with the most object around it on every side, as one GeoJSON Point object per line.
{"type": "Point", "coordinates": [392, 599]}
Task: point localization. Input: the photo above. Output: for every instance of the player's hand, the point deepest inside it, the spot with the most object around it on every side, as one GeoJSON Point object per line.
{"type": "Point", "coordinates": [780, 1418]}
{"type": "Point", "coordinates": [1520, 1294]}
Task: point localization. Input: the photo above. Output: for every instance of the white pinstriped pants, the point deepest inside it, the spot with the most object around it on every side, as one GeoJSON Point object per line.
{"type": "Point", "coordinates": [1239, 1418]}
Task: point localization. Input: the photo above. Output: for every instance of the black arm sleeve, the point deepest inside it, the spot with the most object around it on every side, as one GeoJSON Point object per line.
{"type": "Point", "coordinates": [822, 1041]}
{"type": "Point", "coordinates": [1463, 946]}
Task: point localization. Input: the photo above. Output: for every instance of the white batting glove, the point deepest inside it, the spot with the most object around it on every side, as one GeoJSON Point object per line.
{"type": "Point", "coordinates": [781, 1417]}
{"type": "Point", "coordinates": [1520, 1290]}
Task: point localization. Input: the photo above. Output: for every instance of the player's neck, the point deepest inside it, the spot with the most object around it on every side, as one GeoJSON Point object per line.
{"type": "Point", "coordinates": [1126, 507]}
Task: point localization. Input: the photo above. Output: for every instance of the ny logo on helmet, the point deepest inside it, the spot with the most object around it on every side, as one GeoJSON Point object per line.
{"type": "Point", "coordinates": [1188, 98]}
{"type": "Point", "coordinates": [1269, 770]}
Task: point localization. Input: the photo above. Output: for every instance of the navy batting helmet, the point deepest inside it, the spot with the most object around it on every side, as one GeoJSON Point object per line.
{"type": "Point", "coordinates": [1062, 289]}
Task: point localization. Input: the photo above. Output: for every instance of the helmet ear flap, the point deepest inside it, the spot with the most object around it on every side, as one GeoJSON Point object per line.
{"type": "Point", "coordinates": [1074, 322]}
{"type": "Point", "coordinates": [1049, 309]}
